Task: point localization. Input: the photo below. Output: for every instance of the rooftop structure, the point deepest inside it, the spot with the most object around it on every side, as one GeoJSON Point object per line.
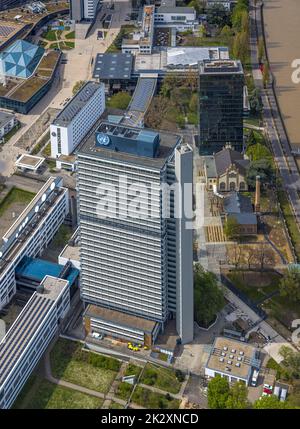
{"type": "Point", "coordinates": [74, 106]}
{"type": "Point", "coordinates": [29, 162]}
{"type": "Point", "coordinates": [74, 122]}
{"type": "Point", "coordinates": [190, 56]}
{"type": "Point", "coordinates": [113, 66]}
{"type": "Point", "coordinates": [31, 271]}
{"type": "Point", "coordinates": [161, 144]}
{"type": "Point", "coordinates": [142, 41]}
{"type": "Point", "coordinates": [220, 67]}
{"type": "Point", "coordinates": [240, 207]}
{"type": "Point", "coordinates": [21, 59]}
{"type": "Point", "coordinates": [30, 334]}
{"type": "Point", "coordinates": [21, 93]}
{"type": "Point", "coordinates": [232, 359]}
{"type": "Point", "coordinates": [31, 232]}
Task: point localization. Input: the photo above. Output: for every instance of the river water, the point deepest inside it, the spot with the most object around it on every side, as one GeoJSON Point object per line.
{"type": "Point", "coordinates": [282, 27]}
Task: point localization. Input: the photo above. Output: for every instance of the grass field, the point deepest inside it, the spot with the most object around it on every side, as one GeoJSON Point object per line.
{"type": "Point", "coordinates": [51, 396]}
{"type": "Point", "coordinates": [115, 406]}
{"type": "Point", "coordinates": [15, 195]}
{"type": "Point", "coordinates": [254, 284]}
{"type": "Point", "coordinates": [290, 222]}
{"type": "Point", "coordinates": [148, 399]}
{"type": "Point", "coordinates": [69, 363]}
{"type": "Point", "coordinates": [162, 378]}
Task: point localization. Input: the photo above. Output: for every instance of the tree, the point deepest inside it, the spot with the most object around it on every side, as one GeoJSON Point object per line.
{"type": "Point", "coordinates": [240, 46]}
{"type": "Point", "coordinates": [263, 168]}
{"type": "Point", "coordinates": [218, 392]}
{"type": "Point", "coordinates": [208, 298]}
{"type": "Point", "coordinates": [255, 102]}
{"type": "Point", "coordinates": [261, 50]}
{"type": "Point", "coordinates": [266, 74]}
{"type": "Point", "coordinates": [231, 227]}
{"type": "Point", "coordinates": [218, 15]}
{"type": "Point", "coordinates": [226, 34]}
{"type": "Point", "coordinates": [120, 100]}
{"type": "Point", "coordinates": [238, 396]}
{"type": "Point", "coordinates": [291, 362]}
{"type": "Point", "coordinates": [289, 285]}
{"type": "Point", "coordinates": [270, 402]}
{"type": "Point", "coordinates": [78, 85]}
{"type": "Point", "coordinates": [265, 255]}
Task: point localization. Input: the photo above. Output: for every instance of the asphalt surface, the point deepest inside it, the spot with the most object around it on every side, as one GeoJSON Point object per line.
{"type": "Point", "coordinates": [273, 121]}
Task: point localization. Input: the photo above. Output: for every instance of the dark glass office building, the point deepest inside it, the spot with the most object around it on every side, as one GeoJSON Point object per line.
{"type": "Point", "coordinates": [221, 92]}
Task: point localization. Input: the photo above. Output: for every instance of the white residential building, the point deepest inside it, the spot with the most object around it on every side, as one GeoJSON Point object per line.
{"type": "Point", "coordinates": [31, 233]}
{"type": "Point", "coordinates": [30, 335]}
{"type": "Point", "coordinates": [7, 122]}
{"type": "Point", "coordinates": [73, 123]}
{"type": "Point", "coordinates": [228, 4]}
{"type": "Point", "coordinates": [182, 18]}
{"type": "Point", "coordinates": [90, 8]}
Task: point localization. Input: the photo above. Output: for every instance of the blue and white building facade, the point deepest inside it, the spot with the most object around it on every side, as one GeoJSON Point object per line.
{"type": "Point", "coordinates": [78, 117]}
{"type": "Point", "coordinates": [38, 323]}
{"type": "Point", "coordinates": [31, 233]}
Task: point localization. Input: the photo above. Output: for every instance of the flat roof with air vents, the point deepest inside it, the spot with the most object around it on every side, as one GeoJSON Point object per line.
{"type": "Point", "coordinates": [26, 326]}
{"type": "Point", "coordinates": [233, 358]}
{"type": "Point", "coordinates": [113, 66]}
{"type": "Point", "coordinates": [66, 116]}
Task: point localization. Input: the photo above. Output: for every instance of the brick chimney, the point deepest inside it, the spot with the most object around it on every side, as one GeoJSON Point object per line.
{"type": "Point", "coordinates": [257, 195]}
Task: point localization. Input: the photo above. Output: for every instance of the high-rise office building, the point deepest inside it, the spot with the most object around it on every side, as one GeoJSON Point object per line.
{"type": "Point", "coordinates": [83, 9]}
{"type": "Point", "coordinates": [221, 108]}
{"type": "Point", "coordinates": [136, 267]}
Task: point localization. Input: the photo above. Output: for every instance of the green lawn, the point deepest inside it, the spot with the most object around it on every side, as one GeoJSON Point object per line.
{"type": "Point", "coordinates": [132, 369]}
{"type": "Point", "coordinates": [148, 399]}
{"type": "Point", "coordinates": [290, 221]}
{"type": "Point", "coordinates": [250, 289]}
{"type": "Point", "coordinates": [47, 150]}
{"type": "Point", "coordinates": [162, 378]}
{"type": "Point", "coordinates": [51, 396]}
{"type": "Point", "coordinates": [124, 390]}
{"type": "Point", "coordinates": [49, 35]}
{"type": "Point", "coordinates": [70, 363]}
{"type": "Point", "coordinates": [15, 195]}
{"type": "Point", "coordinates": [70, 35]}
{"type": "Point", "coordinates": [115, 406]}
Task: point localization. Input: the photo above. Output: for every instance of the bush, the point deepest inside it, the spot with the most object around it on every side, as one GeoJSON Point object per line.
{"type": "Point", "coordinates": [99, 361]}
{"type": "Point", "coordinates": [179, 375]}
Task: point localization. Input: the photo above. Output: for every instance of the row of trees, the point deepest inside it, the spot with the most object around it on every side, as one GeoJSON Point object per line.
{"type": "Point", "coordinates": [221, 396]}
{"type": "Point", "coordinates": [208, 298]}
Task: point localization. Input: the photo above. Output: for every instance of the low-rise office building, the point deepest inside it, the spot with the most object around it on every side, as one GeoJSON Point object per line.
{"type": "Point", "coordinates": [7, 122]}
{"type": "Point", "coordinates": [233, 360]}
{"type": "Point", "coordinates": [182, 18]}
{"type": "Point", "coordinates": [227, 170]}
{"type": "Point", "coordinates": [31, 232]}
{"type": "Point", "coordinates": [30, 335]}
{"type": "Point", "coordinates": [73, 123]}
{"type": "Point", "coordinates": [240, 208]}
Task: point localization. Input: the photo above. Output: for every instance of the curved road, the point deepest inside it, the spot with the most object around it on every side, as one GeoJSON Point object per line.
{"type": "Point", "coordinates": [274, 125]}
{"type": "Point", "coordinates": [282, 30]}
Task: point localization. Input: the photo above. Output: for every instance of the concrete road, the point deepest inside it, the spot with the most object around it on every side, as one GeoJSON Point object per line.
{"type": "Point", "coordinates": [282, 24]}
{"type": "Point", "coordinates": [274, 125]}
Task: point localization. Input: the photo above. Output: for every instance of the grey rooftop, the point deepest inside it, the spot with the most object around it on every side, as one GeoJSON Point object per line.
{"type": "Point", "coordinates": [66, 116]}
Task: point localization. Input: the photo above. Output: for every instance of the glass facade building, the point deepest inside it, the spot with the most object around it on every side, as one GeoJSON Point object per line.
{"type": "Point", "coordinates": [221, 85]}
